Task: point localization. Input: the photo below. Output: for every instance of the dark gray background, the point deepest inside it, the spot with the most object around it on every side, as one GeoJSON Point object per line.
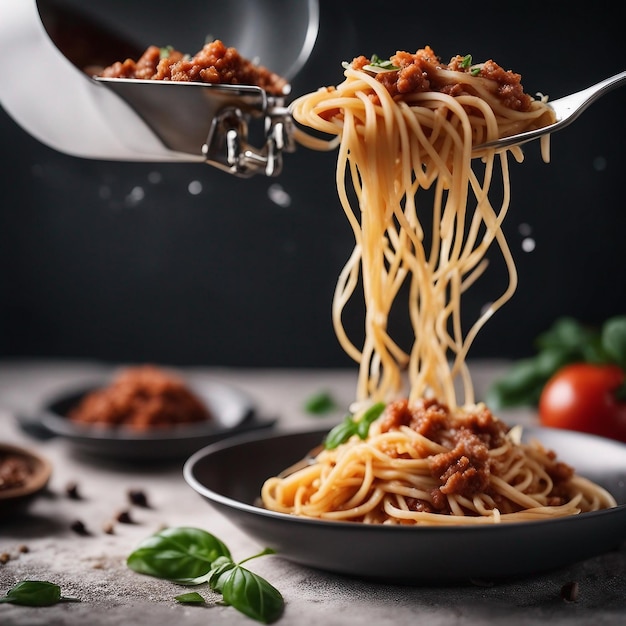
{"type": "Point", "coordinates": [119, 261]}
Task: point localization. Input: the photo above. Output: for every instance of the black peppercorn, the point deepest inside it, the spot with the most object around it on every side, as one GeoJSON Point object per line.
{"type": "Point", "coordinates": [71, 489]}
{"type": "Point", "coordinates": [123, 517]}
{"type": "Point", "coordinates": [79, 528]}
{"type": "Point", "coordinates": [569, 591]}
{"type": "Point", "coordinates": [138, 498]}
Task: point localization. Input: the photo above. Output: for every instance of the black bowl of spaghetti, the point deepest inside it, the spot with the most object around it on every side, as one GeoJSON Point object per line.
{"type": "Point", "coordinates": [230, 476]}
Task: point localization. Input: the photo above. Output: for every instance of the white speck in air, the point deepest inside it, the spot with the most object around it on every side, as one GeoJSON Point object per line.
{"type": "Point", "coordinates": [278, 195]}
{"type": "Point", "coordinates": [155, 177]}
{"type": "Point", "coordinates": [135, 196]}
{"type": "Point", "coordinates": [524, 229]}
{"type": "Point", "coordinates": [528, 244]}
{"type": "Point", "coordinates": [194, 187]}
{"type": "Point", "coordinates": [599, 164]}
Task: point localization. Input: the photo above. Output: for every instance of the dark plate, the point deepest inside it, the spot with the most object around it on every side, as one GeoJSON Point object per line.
{"type": "Point", "coordinates": [232, 410]}
{"type": "Point", "coordinates": [230, 474]}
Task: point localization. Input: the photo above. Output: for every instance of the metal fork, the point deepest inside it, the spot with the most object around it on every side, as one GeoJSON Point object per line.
{"type": "Point", "coordinates": [566, 109]}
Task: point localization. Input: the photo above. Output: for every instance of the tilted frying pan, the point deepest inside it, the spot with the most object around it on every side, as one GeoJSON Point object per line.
{"type": "Point", "coordinates": [47, 47]}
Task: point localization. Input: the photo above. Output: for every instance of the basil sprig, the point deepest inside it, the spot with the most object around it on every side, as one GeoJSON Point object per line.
{"type": "Point", "coordinates": [376, 65]}
{"type": "Point", "coordinates": [192, 556]}
{"type": "Point", "coordinates": [183, 555]}
{"type": "Point", "coordinates": [383, 64]}
{"type": "Point", "coordinates": [36, 593]}
{"type": "Point", "coordinates": [466, 64]}
{"type": "Point", "coordinates": [246, 591]}
{"type": "Point", "coordinates": [351, 426]}
{"type": "Point", "coordinates": [567, 341]}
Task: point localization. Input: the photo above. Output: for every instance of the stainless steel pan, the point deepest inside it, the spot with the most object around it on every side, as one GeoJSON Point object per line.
{"type": "Point", "coordinates": [46, 45]}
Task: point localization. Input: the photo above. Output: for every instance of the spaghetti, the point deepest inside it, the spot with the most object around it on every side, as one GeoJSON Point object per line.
{"type": "Point", "coordinates": [403, 126]}
{"type": "Point", "coordinates": [424, 464]}
{"type": "Point", "coordinates": [400, 132]}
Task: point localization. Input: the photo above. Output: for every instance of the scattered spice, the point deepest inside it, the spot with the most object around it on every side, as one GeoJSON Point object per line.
{"type": "Point", "coordinates": [23, 548]}
{"type": "Point", "coordinates": [5, 557]}
{"type": "Point", "coordinates": [569, 591]}
{"type": "Point", "coordinates": [138, 498]}
{"type": "Point", "coordinates": [124, 517]}
{"type": "Point", "coordinates": [71, 489]}
{"type": "Point", "coordinates": [14, 471]}
{"type": "Point", "coordinates": [108, 528]}
{"type": "Point", "coordinates": [79, 528]}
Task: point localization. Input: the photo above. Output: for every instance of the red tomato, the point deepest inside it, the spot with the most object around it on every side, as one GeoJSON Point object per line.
{"type": "Point", "coordinates": [581, 397]}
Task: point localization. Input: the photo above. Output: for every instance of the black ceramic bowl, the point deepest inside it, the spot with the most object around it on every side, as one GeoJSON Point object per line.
{"type": "Point", "coordinates": [229, 475]}
{"type": "Point", "coordinates": [232, 412]}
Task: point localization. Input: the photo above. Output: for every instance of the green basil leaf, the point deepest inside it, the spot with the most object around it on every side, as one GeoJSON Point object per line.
{"type": "Point", "coordinates": [567, 341]}
{"type": "Point", "coordinates": [252, 595]}
{"type": "Point", "coordinates": [344, 430]}
{"type": "Point", "coordinates": [376, 63]}
{"type": "Point", "coordinates": [320, 403]}
{"type": "Point", "coordinates": [566, 333]}
{"type": "Point", "coordinates": [549, 361]}
{"type": "Point", "coordinates": [525, 380]}
{"type": "Point", "coordinates": [220, 571]}
{"type": "Point", "coordinates": [340, 433]}
{"type": "Point", "coordinates": [36, 593]}
{"type": "Point", "coordinates": [192, 597]}
{"type": "Point", "coordinates": [582, 343]}
{"type": "Point", "coordinates": [614, 340]}
{"type": "Point", "coordinates": [164, 53]}
{"type": "Point", "coordinates": [182, 555]}
{"type": "Point", "coordinates": [371, 415]}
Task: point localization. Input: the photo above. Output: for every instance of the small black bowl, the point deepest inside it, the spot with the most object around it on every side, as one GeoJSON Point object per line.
{"type": "Point", "coordinates": [232, 412]}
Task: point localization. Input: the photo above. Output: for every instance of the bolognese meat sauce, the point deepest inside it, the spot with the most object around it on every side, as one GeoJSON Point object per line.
{"type": "Point", "coordinates": [215, 63]}
{"type": "Point", "coordinates": [141, 398]}
{"type": "Point", "coordinates": [421, 72]}
{"type": "Point", "coordinates": [466, 467]}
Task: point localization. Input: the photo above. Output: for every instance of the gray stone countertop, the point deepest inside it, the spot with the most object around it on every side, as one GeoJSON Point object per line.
{"type": "Point", "coordinates": [41, 545]}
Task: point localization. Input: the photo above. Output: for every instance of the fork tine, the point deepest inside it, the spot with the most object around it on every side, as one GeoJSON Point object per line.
{"type": "Point", "coordinates": [567, 109]}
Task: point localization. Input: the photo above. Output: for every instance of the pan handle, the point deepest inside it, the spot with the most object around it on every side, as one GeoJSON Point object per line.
{"type": "Point", "coordinates": [227, 145]}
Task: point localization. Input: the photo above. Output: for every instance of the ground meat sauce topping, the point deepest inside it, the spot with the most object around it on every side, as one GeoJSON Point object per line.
{"type": "Point", "coordinates": [214, 63]}
{"type": "Point", "coordinates": [416, 73]}
{"type": "Point", "coordinates": [466, 467]}
{"type": "Point", "coordinates": [141, 398]}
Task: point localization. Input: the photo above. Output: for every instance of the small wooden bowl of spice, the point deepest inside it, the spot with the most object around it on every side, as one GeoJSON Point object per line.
{"type": "Point", "coordinates": [23, 474]}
